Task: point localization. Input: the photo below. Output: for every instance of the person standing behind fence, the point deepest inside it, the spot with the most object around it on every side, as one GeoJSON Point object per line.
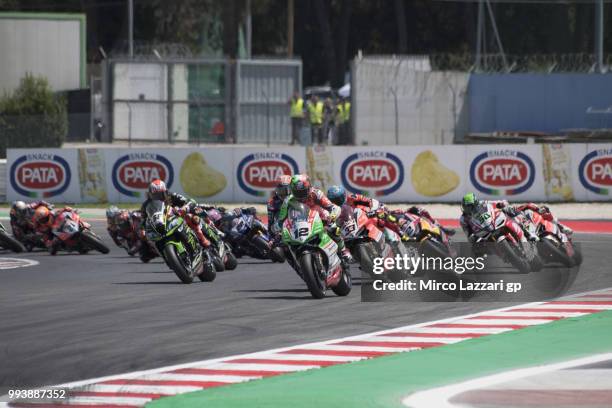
{"type": "Point", "coordinates": [297, 117]}
{"type": "Point", "coordinates": [329, 120]}
{"type": "Point", "coordinates": [315, 115]}
{"type": "Point", "coordinates": [345, 111]}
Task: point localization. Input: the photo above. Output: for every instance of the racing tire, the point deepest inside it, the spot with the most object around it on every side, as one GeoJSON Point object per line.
{"type": "Point", "coordinates": [176, 264]}
{"type": "Point", "coordinates": [366, 259]}
{"type": "Point", "coordinates": [277, 254]}
{"type": "Point", "coordinates": [230, 261]}
{"type": "Point", "coordinates": [218, 263]}
{"type": "Point", "coordinates": [315, 285]}
{"type": "Point", "coordinates": [557, 253]}
{"type": "Point", "coordinates": [577, 256]}
{"type": "Point", "coordinates": [94, 242]}
{"type": "Point", "coordinates": [435, 249]}
{"type": "Point", "coordinates": [514, 258]}
{"type": "Point", "coordinates": [261, 245]}
{"type": "Point", "coordinates": [208, 272]}
{"type": "Point", "coordinates": [11, 243]}
{"type": "Point", "coordinates": [344, 286]}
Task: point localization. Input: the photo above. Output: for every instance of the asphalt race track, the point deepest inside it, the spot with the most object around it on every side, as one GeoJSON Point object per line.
{"type": "Point", "coordinates": [74, 317]}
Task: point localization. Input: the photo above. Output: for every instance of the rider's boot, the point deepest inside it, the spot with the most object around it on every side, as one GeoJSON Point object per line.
{"type": "Point", "coordinates": [565, 229]}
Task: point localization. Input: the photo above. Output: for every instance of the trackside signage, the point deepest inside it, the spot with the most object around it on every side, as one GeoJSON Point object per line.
{"type": "Point", "coordinates": [376, 173]}
{"type": "Point", "coordinates": [132, 173]}
{"type": "Point", "coordinates": [39, 175]}
{"type": "Point", "coordinates": [502, 172]}
{"type": "Point", "coordinates": [393, 174]}
{"type": "Point", "coordinates": [256, 173]}
{"type": "Point", "coordinates": [595, 171]}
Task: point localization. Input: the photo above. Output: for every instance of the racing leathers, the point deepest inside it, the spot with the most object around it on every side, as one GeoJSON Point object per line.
{"type": "Point", "coordinates": [22, 224]}
{"type": "Point", "coordinates": [545, 212]}
{"type": "Point", "coordinates": [273, 207]}
{"type": "Point", "coordinates": [188, 209]}
{"type": "Point", "coordinates": [327, 211]}
{"type": "Point", "coordinates": [465, 218]}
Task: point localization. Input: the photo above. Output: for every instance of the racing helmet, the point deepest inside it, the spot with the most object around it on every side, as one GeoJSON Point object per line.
{"type": "Point", "coordinates": [214, 215]}
{"type": "Point", "coordinates": [42, 215]}
{"type": "Point", "coordinates": [111, 211]}
{"type": "Point", "coordinates": [300, 187]}
{"type": "Point", "coordinates": [124, 218]}
{"type": "Point", "coordinates": [19, 207]}
{"type": "Point", "coordinates": [158, 190]}
{"type": "Point", "coordinates": [283, 186]}
{"type": "Point", "coordinates": [336, 195]}
{"type": "Point", "coordinates": [469, 203]}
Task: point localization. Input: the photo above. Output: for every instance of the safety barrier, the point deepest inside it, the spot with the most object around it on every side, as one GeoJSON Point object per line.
{"type": "Point", "coordinates": [548, 172]}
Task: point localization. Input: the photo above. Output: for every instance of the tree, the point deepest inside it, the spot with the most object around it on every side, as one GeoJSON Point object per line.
{"type": "Point", "coordinates": [32, 116]}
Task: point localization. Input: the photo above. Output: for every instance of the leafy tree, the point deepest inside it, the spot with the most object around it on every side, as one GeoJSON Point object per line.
{"type": "Point", "coordinates": [32, 116]}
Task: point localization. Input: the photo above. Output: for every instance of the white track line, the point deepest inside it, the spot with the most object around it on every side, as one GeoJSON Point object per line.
{"type": "Point", "coordinates": [439, 397]}
{"type": "Point", "coordinates": [245, 367]}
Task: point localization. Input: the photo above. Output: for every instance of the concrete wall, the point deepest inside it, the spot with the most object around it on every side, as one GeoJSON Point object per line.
{"type": "Point", "coordinates": [431, 106]}
{"type": "Point", "coordinates": [50, 45]}
{"type": "Point", "coordinates": [538, 102]}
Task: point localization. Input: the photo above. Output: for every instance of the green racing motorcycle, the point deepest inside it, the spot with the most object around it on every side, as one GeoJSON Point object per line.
{"type": "Point", "coordinates": [178, 244]}
{"type": "Point", "coordinates": [312, 252]}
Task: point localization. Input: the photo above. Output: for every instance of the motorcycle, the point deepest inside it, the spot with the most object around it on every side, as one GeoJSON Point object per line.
{"type": "Point", "coordinates": [75, 234]}
{"type": "Point", "coordinates": [313, 253]}
{"type": "Point", "coordinates": [492, 225]}
{"type": "Point", "coordinates": [249, 236]}
{"type": "Point", "coordinates": [430, 238]}
{"type": "Point", "coordinates": [554, 244]}
{"type": "Point", "coordinates": [362, 237]}
{"type": "Point", "coordinates": [177, 243]}
{"type": "Point", "coordinates": [8, 242]}
{"type": "Point", "coordinates": [224, 258]}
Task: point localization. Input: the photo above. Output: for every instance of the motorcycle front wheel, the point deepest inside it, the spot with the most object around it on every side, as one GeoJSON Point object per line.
{"type": "Point", "coordinates": [315, 284]}
{"type": "Point", "coordinates": [93, 241]}
{"type": "Point", "coordinates": [11, 243]}
{"type": "Point", "coordinates": [176, 264]}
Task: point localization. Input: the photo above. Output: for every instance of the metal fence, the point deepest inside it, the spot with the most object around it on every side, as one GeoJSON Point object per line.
{"type": "Point", "coordinates": [194, 100]}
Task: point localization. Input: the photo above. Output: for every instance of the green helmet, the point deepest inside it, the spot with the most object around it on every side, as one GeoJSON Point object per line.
{"type": "Point", "coordinates": [469, 202]}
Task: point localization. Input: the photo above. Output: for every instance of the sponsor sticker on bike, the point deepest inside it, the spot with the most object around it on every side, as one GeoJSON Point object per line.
{"type": "Point", "coordinates": [40, 175]}
{"type": "Point", "coordinates": [375, 173]}
{"type": "Point", "coordinates": [595, 171]}
{"type": "Point", "coordinates": [257, 172]}
{"type": "Point", "coordinates": [502, 172]}
{"type": "Point", "coordinates": [133, 172]}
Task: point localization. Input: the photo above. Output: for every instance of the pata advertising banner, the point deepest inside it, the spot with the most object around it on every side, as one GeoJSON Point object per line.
{"type": "Point", "coordinates": [551, 172]}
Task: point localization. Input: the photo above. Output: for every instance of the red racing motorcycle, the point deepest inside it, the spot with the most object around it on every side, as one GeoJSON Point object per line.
{"type": "Point", "coordinates": [76, 234]}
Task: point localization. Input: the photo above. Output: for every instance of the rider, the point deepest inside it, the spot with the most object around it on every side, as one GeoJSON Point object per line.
{"type": "Point", "coordinates": [21, 220]}
{"type": "Point", "coordinates": [470, 206]}
{"type": "Point", "coordinates": [402, 215]}
{"type": "Point", "coordinates": [338, 196]}
{"type": "Point", "coordinates": [282, 190]}
{"type": "Point", "coordinates": [158, 191]}
{"type": "Point", "coordinates": [303, 192]}
{"type": "Point", "coordinates": [44, 224]}
{"type": "Point", "coordinates": [545, 212]}
{"type": "Point", "coordinates": [112, 225]}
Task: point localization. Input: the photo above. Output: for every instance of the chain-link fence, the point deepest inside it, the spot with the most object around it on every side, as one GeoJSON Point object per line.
{"type": "Point", "coordinates": [508, 63]}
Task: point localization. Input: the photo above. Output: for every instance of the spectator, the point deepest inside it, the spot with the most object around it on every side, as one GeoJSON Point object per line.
{"type": "Point", "coordinates": [297, 116]}
{"type": "Point", "coordinates": [315, 115]}
{"type": "Point", "coordinates": [329, 129]}
{"type": "Point", "coordinates": [346, 121]}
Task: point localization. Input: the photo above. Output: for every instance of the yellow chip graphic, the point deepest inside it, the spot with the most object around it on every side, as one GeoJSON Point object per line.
{"type": "Point", "coordinates": [199, 179]}
{"type": "Point", "coordinates": [430, 177]}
